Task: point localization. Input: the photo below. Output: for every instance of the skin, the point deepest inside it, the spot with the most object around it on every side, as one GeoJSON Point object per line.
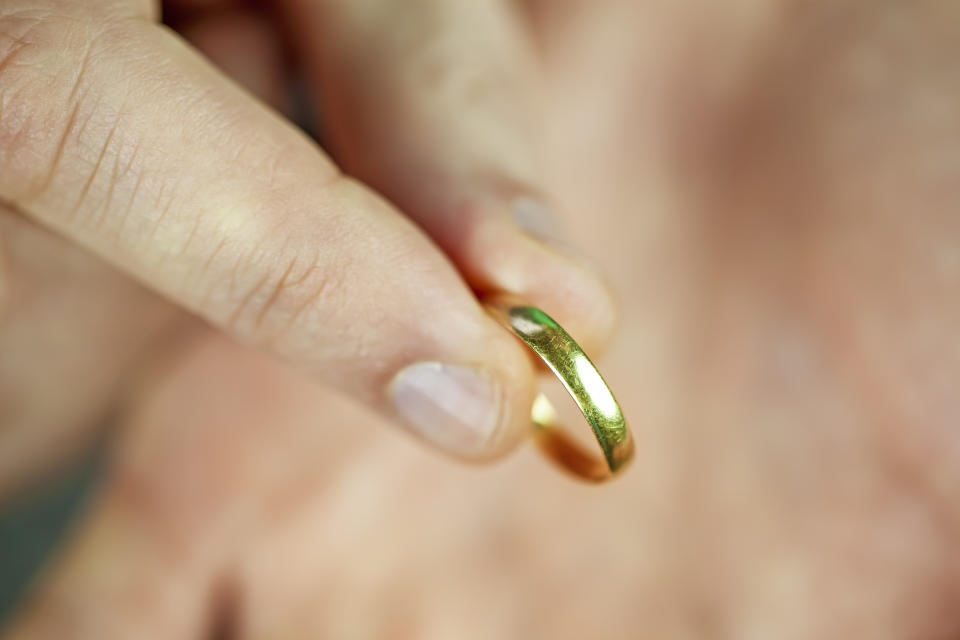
{"type": "Point", "coordinates": [773, 193]}
{"type": "Point", "coordinates": [122, 139]}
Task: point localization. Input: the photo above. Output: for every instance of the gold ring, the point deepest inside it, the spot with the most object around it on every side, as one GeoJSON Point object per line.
{"type": "Point", "coordinates": [581, 379]}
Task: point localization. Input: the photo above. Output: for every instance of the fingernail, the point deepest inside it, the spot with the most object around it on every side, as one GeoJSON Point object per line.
{"type": "Point", "coordinates": [538, 219]}
{"type": "Point", "coordinates": [455, 407]}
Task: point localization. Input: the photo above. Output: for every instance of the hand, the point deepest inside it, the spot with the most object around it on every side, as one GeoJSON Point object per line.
{"type": "Point", "coordinates": [118, 140]}
{"type": "Point", "coordinates": [790, 317]}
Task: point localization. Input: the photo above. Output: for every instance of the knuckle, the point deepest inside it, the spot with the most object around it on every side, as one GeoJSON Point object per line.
{"type": "Point", "coordinates": [435, 61]}
{"type": "Point", "coordinates": [281, 296]}
{"type": "Point", "coordinates": [21, 38]}
{"type": "Point", "coordinates": [49, 105]}
{"type": "Point", "coordinates": [458, 81]}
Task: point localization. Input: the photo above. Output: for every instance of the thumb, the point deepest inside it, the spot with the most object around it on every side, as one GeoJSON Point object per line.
{"type": "Point", "coordinates": [117, 135]}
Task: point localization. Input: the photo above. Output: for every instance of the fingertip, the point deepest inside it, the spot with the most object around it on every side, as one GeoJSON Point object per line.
{"type": "Point", "coordinates": [514, 244]}
{"type": "Point", "coordinates": [517, 375]}
{"type": "Point", "coordinates": [476, 409]}
{"type": "Point", "coordinates": [571, 290]}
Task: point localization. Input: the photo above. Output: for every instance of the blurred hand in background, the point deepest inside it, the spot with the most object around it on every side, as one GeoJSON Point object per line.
{"type": "Point", "coordinates": [773, 190]}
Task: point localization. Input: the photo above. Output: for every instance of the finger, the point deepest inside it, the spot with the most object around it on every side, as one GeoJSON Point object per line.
{"type": "Point", "coordinates": [435, 104]}
{"type": "Point", "coordinates": [115, 581]}
{"type": "Point", "coordinates": [120, 137]}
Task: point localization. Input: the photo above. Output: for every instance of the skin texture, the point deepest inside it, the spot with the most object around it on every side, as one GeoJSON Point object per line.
{"type": "Point", "coordinates": [773, 191]}
{"type": "Point", "coordinates": [121, 138]}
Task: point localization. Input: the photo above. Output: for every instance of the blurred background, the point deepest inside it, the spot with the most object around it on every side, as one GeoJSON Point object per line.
{"type": "Point", "coordinates": [772, 189]}
{"type": "Point", "coordinates": [33, 523]}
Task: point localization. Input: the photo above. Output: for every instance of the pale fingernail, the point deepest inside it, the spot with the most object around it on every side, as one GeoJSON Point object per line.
{"type": "Point", "coordinates": [455, 407]}
{"type": "Point", "coordinates": [538, 219]}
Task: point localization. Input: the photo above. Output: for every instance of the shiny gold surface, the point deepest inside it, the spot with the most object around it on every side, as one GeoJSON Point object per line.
{"type": "Point", "coordinates": [580, 377]}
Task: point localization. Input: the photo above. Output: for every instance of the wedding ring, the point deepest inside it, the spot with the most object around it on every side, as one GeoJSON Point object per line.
{"type": "Point", "coordinates": [580, 377]}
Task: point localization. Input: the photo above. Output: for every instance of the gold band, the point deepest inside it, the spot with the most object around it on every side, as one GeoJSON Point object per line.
{"type": "Point", "coordinates": [580, 377]}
